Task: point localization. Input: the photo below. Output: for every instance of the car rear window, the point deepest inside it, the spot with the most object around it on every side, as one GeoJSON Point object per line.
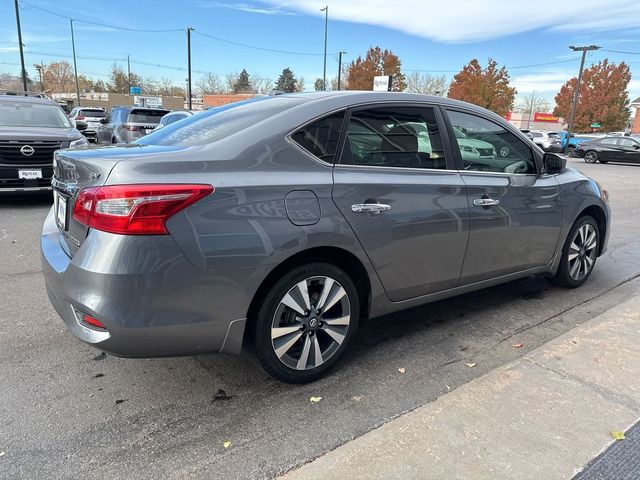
{"type": "Point", "coordinates": [23, 114]}
{"type": "Point", "coordinates": [146, 116]}
{"type": "Point", "coordinates": [94, 112]}
{"type": "Point", "coordinates": [221, 122]}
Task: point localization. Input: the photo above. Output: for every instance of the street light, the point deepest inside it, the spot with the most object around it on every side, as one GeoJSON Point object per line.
{"type": "Point", "coordinates": [40, 68]}
{"type": "Point", "coordinates": [324, 71]}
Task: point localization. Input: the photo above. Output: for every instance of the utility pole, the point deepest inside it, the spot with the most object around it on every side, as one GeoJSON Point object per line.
{"type": "Point", "coordinates": [340, 67]}
{"type": "Point", "coordinates": [533, 96]}
{"type": "Point", "coordinates": [189, 66]}
{"type": "Point", "coordinates": [75, 63]}
{"type": "Point", "coordinates": [129, 74]}
{"type": "Point", "coordinates": [24, 71]}
{"type": "Point", "coordinates": [324, 71]}
{"type": "Point", "coordinates": [576, 94]}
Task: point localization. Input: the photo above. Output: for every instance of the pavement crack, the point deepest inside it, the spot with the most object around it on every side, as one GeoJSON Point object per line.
{"type": "Point", "coordinates": [20, 274]}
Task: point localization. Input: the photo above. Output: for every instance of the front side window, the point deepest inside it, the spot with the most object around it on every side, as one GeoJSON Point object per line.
{"type": "Point", "coordinates": [485, 146]}
{"type": "Point", "coordinates": [609, 141]}
{"type": "Point", "coordinates": [627, 142]}
{"type": "Point", "coordinates": [320, 138]}
{"type": "Point", "coordinates": [404, 137]}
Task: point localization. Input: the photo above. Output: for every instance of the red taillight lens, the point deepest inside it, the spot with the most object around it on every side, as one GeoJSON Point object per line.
{"type": "Point", "coordinates": [135, 209]}
{"type": "Point", "coordinates": [80, 117]}
{"type": "Point", "coordinates": [94, 322]}
{"type": "Point", "coordinates": [131, 128]}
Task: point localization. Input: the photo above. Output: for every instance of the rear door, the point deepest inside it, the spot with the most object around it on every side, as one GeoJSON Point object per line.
{"type": "Point", "coordinates": [515, 212]}
{"type": "Point", "coordinates": [608, 149]}
{"type": "Point", "coordinates": [396, 186]}
{"type": "Point", "coordinates": [629, 150]}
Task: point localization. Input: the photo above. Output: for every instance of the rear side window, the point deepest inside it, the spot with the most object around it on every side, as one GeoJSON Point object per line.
{"type": "Point", "coordinates": [146, 116]}
{"type": "Point", "coordinates": [609, 141]}
{"type": "Point", "coordinates": [320, 138]}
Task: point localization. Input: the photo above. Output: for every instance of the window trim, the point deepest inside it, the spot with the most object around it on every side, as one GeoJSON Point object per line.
{"type": "Point", "coordinates": [537, 159]}
{"type": "Point", "coordinates": [444, 135]}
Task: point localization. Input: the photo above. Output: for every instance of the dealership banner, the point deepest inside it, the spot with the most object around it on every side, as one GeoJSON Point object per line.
{"type": "Point", "coordinates": [545, 117]}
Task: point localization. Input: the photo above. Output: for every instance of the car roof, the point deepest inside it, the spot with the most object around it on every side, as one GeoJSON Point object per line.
{"type": "Point", "coordinates": [26, 100]}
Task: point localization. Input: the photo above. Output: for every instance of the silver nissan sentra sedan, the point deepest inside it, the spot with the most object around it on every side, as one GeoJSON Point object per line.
{"type": "Point", "coordinates": [285, 221]}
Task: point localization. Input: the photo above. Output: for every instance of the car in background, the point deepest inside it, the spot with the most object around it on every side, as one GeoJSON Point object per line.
{"type": "Point", "coordinates": [610, 149]}
{"type": "Point", "coordinates": [31, 129]}
{"type": "Point", "coordinates": [574, 141]}
{"type": "Point", "coordinates": [547, 141]}
{"type": "Point", "coordinates": [286, 221]}
{"type": "Point", "coordinates": [128, 123]}
{"type": "Point", "coordinates": [91, 116]}
{"type": "Point", "coordinates": [173, 117]}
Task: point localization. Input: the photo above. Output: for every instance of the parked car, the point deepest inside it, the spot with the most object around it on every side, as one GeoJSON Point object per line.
{"type": "Point", "coordinates": [91, 116]}
{"type": "Point", "coordinates": [128, 123]}
{"type": "Point", "coordinates": [610, 149]}
{"type": "Point", "coordinates": [547, 141]}
{"type": "Point", "coordinates": [285, 221]}
{"type": "Point", "coordinates": [173, 117]}
{"type": "Point", "coordinates": [574, 141]}
{"type": "Point", "coordinates": [31, 129]}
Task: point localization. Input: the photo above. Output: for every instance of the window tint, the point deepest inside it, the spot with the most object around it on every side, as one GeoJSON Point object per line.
{"type": "Point", "coordinates": [627, 142]}
{"type": "Point", "coordinates": [536, 135]}
{"type": "Point", "coordinates": [487, 147]}
{"type": "Point", "coordinates": [146, 116]}
{"type": "Point", "coordinates": [405, 137]}
{"type": "Point", "coordinates": [609, 141]}
{"type": "Point", "coordinates": [320, 138]}
{"type": "Point", "coordinates": [93, 112]}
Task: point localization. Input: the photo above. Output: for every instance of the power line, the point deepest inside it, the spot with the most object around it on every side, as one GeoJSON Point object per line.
{"type": "Point", "coordinates": [246, 45]}
{"type": "Point", "coordinates": [621, 51]}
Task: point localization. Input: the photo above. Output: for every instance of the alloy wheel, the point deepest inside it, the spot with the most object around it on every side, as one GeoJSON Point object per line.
{"type": "Point", "coordinates": [591, 157]}
{"type": "Point", "coordinates": [311, 323]}
{"type": "Point", "coordinates": [582, 251]}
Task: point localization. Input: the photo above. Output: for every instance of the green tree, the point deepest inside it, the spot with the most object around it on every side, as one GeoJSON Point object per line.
{"type": "Point", "coordinates": [119, 83]}
{"type": "Point", "coordinates": [286, 81]}
{"type": "Point", "coordinates": [318, 85]}
{"type": "Point", "coordinates": [242, 84]}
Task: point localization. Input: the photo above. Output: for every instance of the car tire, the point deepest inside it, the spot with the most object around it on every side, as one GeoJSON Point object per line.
{"type": "Point", "coordinates": [603, 161]}
{"type": "Point", "coordinates": [579, 253]}
{"type": "Point", "coordinates": [571, 151]}
{"type": "Point", "coordinates": [298, 337]}
{"type": "Point", "coordinates": [114, 140]}
{"type": "Point", "coordinates": [591, 156]}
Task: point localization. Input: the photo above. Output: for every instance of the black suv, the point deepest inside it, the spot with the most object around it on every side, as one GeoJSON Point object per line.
{"type": "Point", "coordinates": [128, 123]}
{"type": "Point", "coordinates": [31, 129]}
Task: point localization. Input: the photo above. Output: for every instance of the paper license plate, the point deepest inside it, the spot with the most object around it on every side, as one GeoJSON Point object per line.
{"type": "Point", "coordinates": [61, 210]}
{"type": "Point", "coordinates": [30, 174]}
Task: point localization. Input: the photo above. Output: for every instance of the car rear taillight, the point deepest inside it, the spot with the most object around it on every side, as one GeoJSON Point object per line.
{"type": "Point", "coordinates": [131, 128]}
{"type": "Point", "coordinates": [135, 209]}
{"type": "Point", "coordinates": [79, 117]}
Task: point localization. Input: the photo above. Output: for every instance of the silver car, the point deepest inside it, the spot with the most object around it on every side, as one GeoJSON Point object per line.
{"type": "Point", "coordinates": [283, 222]}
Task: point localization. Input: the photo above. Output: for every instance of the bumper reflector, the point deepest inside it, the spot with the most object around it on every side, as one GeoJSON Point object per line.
{"type": "Point", "coordinates": [94, 322]}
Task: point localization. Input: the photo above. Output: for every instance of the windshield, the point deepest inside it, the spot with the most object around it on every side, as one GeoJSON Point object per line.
{"type": "Point", "coordinates": [458, 133]}
{"type": "Point", "coordinates": [146, 116]}
{"type": "Point", "coordinates": [22, 114]}
{"type": "Point", "coordinates": [220, 122]}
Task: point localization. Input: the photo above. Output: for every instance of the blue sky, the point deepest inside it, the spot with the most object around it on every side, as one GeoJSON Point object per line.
{"type": "Point", "coordinates": [431, 36]}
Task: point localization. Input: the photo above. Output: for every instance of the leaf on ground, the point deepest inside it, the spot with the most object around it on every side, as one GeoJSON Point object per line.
{"type": "Point", "coordinates": [1, 454]}
{"type": "Point", "coordinates": [315, 399]}
{"type": "Point", "coordinates": [470, 365]}
{"type": "Point", "coordinates": [402, 369]}
{"type": "Point", "coordinates": [618, 435]}
{"type": "Point", "coordinates": [517, 345]}
{"type": "Point", "coordinates": [226, 444]}
{"type": "Point", "coordinates": [221, 395]}
{"type": "Point", "coordinates": [357, 398]}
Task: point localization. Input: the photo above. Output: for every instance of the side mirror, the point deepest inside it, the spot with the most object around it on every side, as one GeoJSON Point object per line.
{"type": "Point", "coordinates": [553, 163]}
{"type": "Point", "coordinates": [80, 125]}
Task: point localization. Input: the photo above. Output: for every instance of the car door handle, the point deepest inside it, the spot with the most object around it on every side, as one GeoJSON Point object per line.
{"type": "Point", "coordinates": [486, 202]}
{"type": "Point", "coordinates": [370, 207]}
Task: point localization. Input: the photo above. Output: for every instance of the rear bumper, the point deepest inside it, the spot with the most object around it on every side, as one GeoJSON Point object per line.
{"type": "Point", "coordinates": [155, 304]}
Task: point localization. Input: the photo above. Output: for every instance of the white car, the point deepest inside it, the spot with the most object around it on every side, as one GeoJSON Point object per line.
{"type": "Point", "coordinates": [92, 116]}
{"type": "Point", "coordinates": [173, 117]}
{"type": "Point", "coordinates": [546, 140]}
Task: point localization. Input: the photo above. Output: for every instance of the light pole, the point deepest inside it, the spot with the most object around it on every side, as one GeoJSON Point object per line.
{"type": "Point", "coordinates": [324, 71]}
{"type": "Point", "coordinates": [576, 94]}
{"type": "Point", "coordinates": [24, 70]}
{"type": "Point", "coordinates": [340, 67]}
{"type": "Point", "coordinates": [39, 67]}
{"type": "Point", "coordinates": [189, 66]}
{"type": "Point", "coordinates": [75, 64]}
{"type": "Point", "coordinates": [533, 96]}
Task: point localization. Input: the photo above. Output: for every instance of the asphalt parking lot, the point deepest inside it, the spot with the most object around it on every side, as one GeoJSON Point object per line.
{"type": "Point", "coordinates": [68, 411]}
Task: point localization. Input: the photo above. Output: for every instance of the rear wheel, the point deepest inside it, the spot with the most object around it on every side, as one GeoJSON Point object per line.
{"type": "Point", "coordinates": [571, 151]}
{"type": "Point", "coordinates": [579, 253]}
{"type": "Point", "coordinates": [306, 322]}
{"type": "Point", "coordinates": [114, 140]}
{"type": "Point", "coordinates": [591, 156]}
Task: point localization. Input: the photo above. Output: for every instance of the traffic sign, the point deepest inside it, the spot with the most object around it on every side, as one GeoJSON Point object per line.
{"type": "Point", "coordinates": [135, 90]}
{"type": "Point", "coordinates": [595, 125]}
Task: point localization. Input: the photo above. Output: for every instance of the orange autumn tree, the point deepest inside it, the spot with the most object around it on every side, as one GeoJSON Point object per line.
{"type": "Point", "coordinates": [361, 71]}
{"type": "Point", "coordinates": [487, 87]}
{"type": "Point", "coordinates": [604, 98]}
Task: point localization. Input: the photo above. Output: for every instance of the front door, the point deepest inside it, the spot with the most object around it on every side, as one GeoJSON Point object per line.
{"type": "Point", "coordinates": [515, 213]}
{"type": "Point", "coordinates": [408, 209]}
{"type": "Point", "coordinates": [629, 150]}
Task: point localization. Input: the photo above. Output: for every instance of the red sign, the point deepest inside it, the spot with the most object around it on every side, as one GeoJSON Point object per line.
{"type": "Point", "coordinates": [508, 116]}
{"type": "Point", "coordinates": [545, 117]}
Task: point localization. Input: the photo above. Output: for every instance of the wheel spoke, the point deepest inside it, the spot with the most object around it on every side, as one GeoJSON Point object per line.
{"type": "Point", "coordinates": [326, 289]}
{"type": "Point", "coordinates": [290, 302]}
{"type": "Point", "coordinates": [589, 260]}
{"type": "Point", "coordinates": [575, 268]}
{"type": "Point", "coordinates": [335, 298]}
{"type": "Point", "coordinates": [278, 332]}
{"type": "Point", "coordinates": [581, 231]}
{"type": "Point", "coordinates": [335, 333]}
{"type": "Point", "coordinates": [317, 353]}
{"type": "Point", "coordinates": [591, 241]}
{"type": "Point", "coordinates": [585, 265]}
{"type": "Point", "coordinates": [286, 345]}
{"type": "Point", "coordinates": [304, 356]}
{"type": "Point", "coordinates": [338, 321]}
{"type": "Point", "coordinates": [572, 256]}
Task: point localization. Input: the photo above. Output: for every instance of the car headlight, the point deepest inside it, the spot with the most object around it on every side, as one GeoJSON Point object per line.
{"type": "Point", "coordinates": [469, 149]}
{"type": "Point", "coordinates": [80, 142]}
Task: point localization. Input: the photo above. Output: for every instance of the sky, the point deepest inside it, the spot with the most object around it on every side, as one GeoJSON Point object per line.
{"type": "Point", "coordinates": [531, 39]}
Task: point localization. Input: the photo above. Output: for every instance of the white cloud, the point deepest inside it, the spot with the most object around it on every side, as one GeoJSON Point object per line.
{"type": "Point", "coordinates": [466, 21]}
{"type": "Point", "coordinates": [545, 82]}
{"type": "Point", "coordinates": [245, 7]}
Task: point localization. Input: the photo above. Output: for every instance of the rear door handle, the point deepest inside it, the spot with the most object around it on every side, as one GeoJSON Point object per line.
{"type": "Point", "coordinates": [486, 202]}
{"type": "Point", "coordinates": [370, 208]}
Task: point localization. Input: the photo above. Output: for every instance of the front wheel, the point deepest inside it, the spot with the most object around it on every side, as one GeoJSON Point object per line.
{"type": "Point", "coordinates": [306, 322]}
{"type": "Point", "coordinates": [579, 253]}
{"type": "Point", "coordinates": [591, 156]}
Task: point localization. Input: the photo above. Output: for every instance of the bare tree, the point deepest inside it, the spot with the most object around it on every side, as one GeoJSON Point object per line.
{"type": "Point", "coordinates": [210, 84]}
{"type": "Point", "coordinates": [300, 85]}
{"type": "Point", "coordinates": [428, 84]}
{"type": "Point", "coordinates": [533, 103]}
{"type": "Point", "coordinates": [261, 85]}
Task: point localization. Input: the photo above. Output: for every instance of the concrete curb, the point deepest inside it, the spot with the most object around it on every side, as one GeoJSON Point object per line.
{"type": "Point", "coordinates": [545, 415]}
